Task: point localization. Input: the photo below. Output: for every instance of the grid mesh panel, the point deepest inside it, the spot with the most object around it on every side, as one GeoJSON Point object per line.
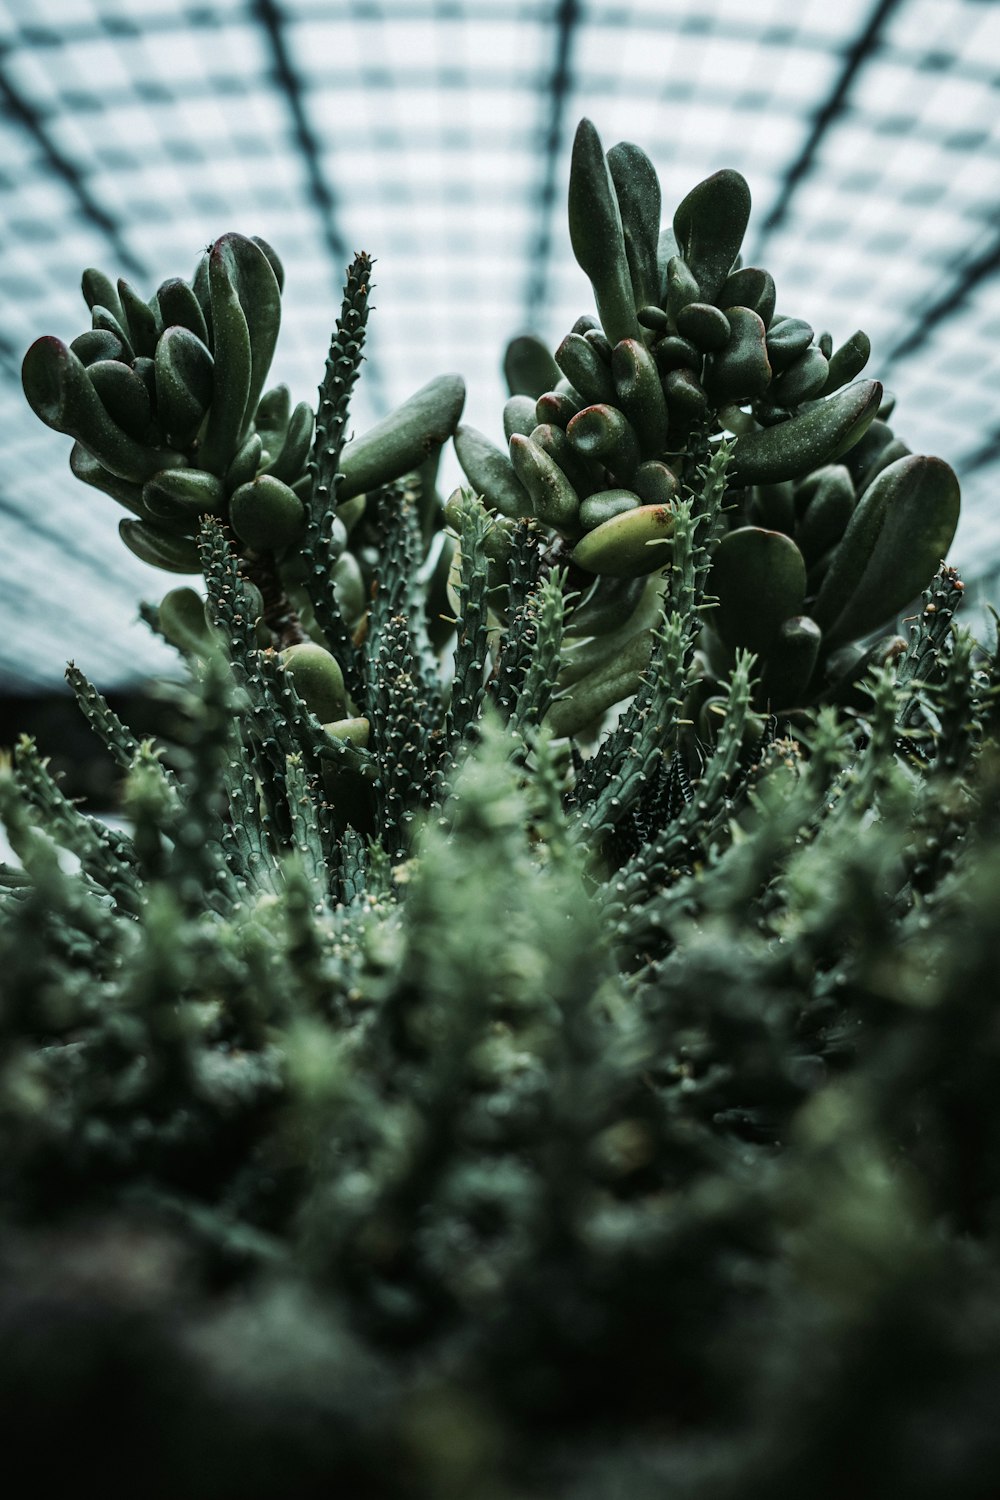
{"type": "Point", "coordinates": [437, 136]}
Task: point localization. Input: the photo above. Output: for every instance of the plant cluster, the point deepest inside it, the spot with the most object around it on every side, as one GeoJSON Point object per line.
{"type": "Point", "coordinates": [442, 1089]}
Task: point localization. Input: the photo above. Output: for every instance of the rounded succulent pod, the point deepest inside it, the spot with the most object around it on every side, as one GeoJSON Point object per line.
{"type": "Point", "coordinates": [349, 587]}
{"type": "Point", "coordinates": [902, 528]}
{"type": "Point", "coordinates": [266, 514]}
{"type": "Point", "coordinates": [124, 395]}
{"type": "Point", "coordinates": [103, 320]}
{"type": "Point", "coordinates": [100, 291]}
{"type": "Point", "coordinates": [860, 457]}
{"type": "Point", "coordinates": [605, 504]}
{"type": "Point", "coordinates": [675, 353]}
{"type": "Point", "coordinates": [491, 473]}
{"type": "Point", "coordinates": [787, 339]}
{"type": "Point", "coordinates": [815, 436]}
{"type": "Point", "coordinates": [181, 618]}
{"type": "Point", "coordinates": [603, 432]}
{"type": "Point", "coordinates": [655, 483]}
{"type": "Point", "coordinates": [893, 450]}
{"type": "Point", "coordinates": [318, 679]}
{"type": "Point", "coordinates": [180, 308]}
{"type": "Point", "coordinates": [607, 605]}
{"type": "Point", "coordinates": [790, 662]}
{"type": "Point", "coordinates": [629, 544]}
{"type": "Point", "coordinates": [233, 352]}
{"type": "Point", "coordinates": [403, 439]}
{"type": "Point", "coordinates": [142, 321]}
{"type": "Point", "coordinates": [86, 468]}
{"type": "Point", "coordinates": [682, 288]}
{"type": "Point", "coordinates": [61, 393]}
{"type": "Point", "coordinates": [272, 416]}
{"type": "Point", "coordinates": [751, 287]}
{"type": "Point", "coordinates": [99, 343]}
{"type": "Point", "coordinates": [519, 415]}
{"type": "Point", "coordinates": [584, 368]}
{"type": "Point", "coordinates": [759, 580]}
{"type": "Point", "coordinates": [183, 369]}
{"type": "Point", "coordinates": [273, 259]}
{"type": "Point", "coordinates": [554, 500]}
{"type": "Point", "coordinates": [826, 499]}
{"type": "Point", "coordinates": [847, 362]}
{"type": "Point", "coordinates": [704, 325]}
{"type": "Point", "coordinates": [557, 408]}
{"type": "Point", "coordinates": [289, 461]}
{"type": "Point", "coordinates": [584, 702]}
{"type": "Point", "coordinates": [584, 474]}
{"type": "Point", "coordinates": [740, 371]}
{"type": "Point", "coordinates": [353, 731]}
{"type": "Point", "coordinates": [709, 225]}
{"type": "Point", "coordinates": [639, 392]}
{"type": "Point", "coordinates": [804, 380]}
{"type": "Point", "coordinates": [653, 318]}
{"type": "Point", "coordinates": [528, 367]}
{"type": "Point", "coordinates": [245, 464]}
{"type": "Point", "coordinates": [773, 506]}
{"type": "Point", "coordinates": [160, 547]}
{"type": "Point", "coordinates": [180, 497]}
{"type": "Point", "coordinates": [686, 397]}
{"type": "Point", "coordinates": [600, 343]}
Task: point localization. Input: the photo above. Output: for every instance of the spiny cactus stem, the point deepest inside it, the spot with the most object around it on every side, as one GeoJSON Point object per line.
{"type": "Point", "coordinates": [342, 368]}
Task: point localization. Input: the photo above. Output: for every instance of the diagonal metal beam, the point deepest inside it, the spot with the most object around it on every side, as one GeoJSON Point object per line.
{"type": "Point", "coordinates": [862, 49]}
{"type": "Point", "coordinates": [10, 360]}
{"type": "Point", "coordinates": [273, 22]}
{"type": "Point", "coordinates": [982, 457]}
{"type": "Point", "coordinates": [31, 120]}
{"type": "Point", "coordinates": [969, 276]}
{"type": "Point", "coordinates": [567, 19]}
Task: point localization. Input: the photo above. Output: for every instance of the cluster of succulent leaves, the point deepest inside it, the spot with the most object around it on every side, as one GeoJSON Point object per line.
{"type": "Point", "coordinates": [832, 526]}
{"type": "Point", "coordinates": [412, 1103]}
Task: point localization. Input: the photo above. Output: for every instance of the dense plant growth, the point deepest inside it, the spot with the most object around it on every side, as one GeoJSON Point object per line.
{"type": "Point", "coordinates": [445, 1089]}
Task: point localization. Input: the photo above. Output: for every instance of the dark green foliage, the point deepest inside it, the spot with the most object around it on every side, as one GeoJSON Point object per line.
{"type": "Point", "coordinates": [482, 1094]}
{"type": "Point", "coordinates": [837, 525]}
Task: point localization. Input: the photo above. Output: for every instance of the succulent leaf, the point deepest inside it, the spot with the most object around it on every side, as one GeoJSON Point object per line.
{"type": "Point", "coordinates": [709, 226]}
{"type": "Point", "coordinates": [902, 528]}
{"type": "Point", "coordinates": [637, 189]}
{"type": "Point", "coordinates": [809, 440]}
{"type": "Point", "coordinates": [403, 439]}
{"type": "Point", "coordinates": [597, 235]}
{"type": "Point", "coordinates": [632, 542]}
{"type": "Point", "coordinates": [159, 547]}
{"type": "Point", "coordinates": [554, 501]}
{"type": "Point", "coordinates": [185, 381]}
{"type": "Point", "coordinates": [182, 496]}
{"type": "Point", "coordinates": [267, 514]}
{"type": "Point", "coordinates": [60, 392]}
{"type": "Point", "coordinates": [124, 395]}
{"type": "Point", "coordinates": [528, 367]}
{"type": "Point", "coordinates": [759, 578]}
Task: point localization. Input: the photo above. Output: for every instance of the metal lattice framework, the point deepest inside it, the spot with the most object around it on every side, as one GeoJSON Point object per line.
{"type": "Point", "coordinates": [436, 134]}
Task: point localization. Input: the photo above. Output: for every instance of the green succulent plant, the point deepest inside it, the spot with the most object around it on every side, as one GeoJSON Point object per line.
{"type": "Point", "coordinates": [410, 1104]}
{"type": "Point", "coordinates": [166, 402]}
{"type": "Point", "coordinates": [830, 526]}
